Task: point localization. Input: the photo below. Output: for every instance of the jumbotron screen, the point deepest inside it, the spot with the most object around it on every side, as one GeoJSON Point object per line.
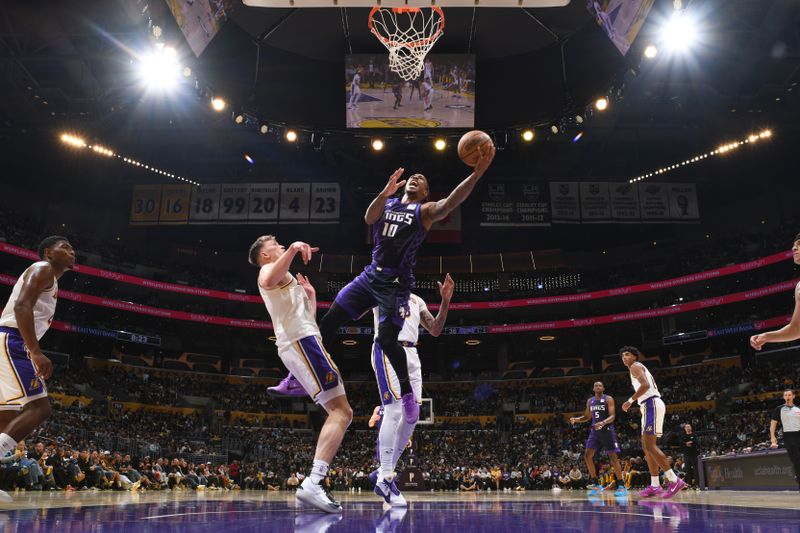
{"type": "Point", "coordinates": [442, 97]}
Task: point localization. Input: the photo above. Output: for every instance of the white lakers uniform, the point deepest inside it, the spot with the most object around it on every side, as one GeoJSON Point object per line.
{"type": "Point", "coordinates": [650, 404]}
{"type": "Point", "coordinates": [18, 382]}
{"type": "Point", "coordinates": [388, 384]}
{"type": "Point", "coordinates": [298, 341]}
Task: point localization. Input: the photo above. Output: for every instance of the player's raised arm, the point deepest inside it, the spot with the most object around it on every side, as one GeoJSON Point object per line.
{"type": "Point", "coordinates": [436, 211]}
{"type": "Point", "coordinates": [309, 289]}
{"type": "Point", "coordinates": [790, 332]}
{"type": "Point", "coordinates": [435, 325]}
{"type": "Point", "coordinates": [375, 209]}
{"type": "Point", "coordinates": [272, 274]}
{"type": "Point", "coordinates": [40, 279]}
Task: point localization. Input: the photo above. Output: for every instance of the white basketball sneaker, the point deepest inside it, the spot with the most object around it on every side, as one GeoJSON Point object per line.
{"type": "Point", "coordinates": [387, 489]}
{"type": "Point", "coordinates": [314, 494]}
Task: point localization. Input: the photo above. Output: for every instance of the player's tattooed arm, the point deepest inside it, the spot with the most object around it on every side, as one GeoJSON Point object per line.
{"type": "Point", "coordinates": [375, 209]}
{"type": "Point", "coordinates": [436, 325]}
{"type": "Point", "coordinates": [439, 210]}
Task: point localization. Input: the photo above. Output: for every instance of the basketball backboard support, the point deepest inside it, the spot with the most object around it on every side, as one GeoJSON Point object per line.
{"type": "Point", "coordinates": [426, 417]}
{"type": "Point", "coordinates": [406, 3]}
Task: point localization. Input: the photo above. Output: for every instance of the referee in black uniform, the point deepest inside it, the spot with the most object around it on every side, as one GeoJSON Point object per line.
{"type": "Point", "coordinates": [788, 415]}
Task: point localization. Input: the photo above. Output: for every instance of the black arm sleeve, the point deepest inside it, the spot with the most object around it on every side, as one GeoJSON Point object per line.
{"type": "Point", "coordinates": [776, 414]}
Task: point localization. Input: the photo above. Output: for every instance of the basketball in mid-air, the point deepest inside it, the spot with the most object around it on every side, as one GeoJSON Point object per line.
{"type": "Point", "coordinates": [469, 144]}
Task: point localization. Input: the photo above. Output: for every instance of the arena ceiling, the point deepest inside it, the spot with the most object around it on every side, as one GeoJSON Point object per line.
{"type": "Point", "coordinates": [69, 65]}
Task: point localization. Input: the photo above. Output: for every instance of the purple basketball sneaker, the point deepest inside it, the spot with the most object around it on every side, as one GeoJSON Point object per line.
{"type": "Point", "coordinates": [650, 492]}
{"type": "Point", "coordinates": [289, 386]}
{"type": "Point", "coordinates": [674, 488]}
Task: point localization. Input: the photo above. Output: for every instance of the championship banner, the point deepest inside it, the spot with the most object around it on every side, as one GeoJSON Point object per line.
{"type": "Point", "coordinates": [515, 205]}
{"type": "Point", "coordinates": [625, 202]}
{"type": "Point", "coordinates": [595, 202]}
{"type": "Point", "coordinates": [565, 199]}
{"type": "Point", "coordinates": [654, 199]}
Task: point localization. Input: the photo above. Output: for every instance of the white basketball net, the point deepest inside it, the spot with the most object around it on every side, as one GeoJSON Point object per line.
{"type": "Point", "coordinates": [408, 34]}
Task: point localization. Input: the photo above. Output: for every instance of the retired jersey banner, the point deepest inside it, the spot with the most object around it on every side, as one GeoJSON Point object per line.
{"type": "Point", "coordinates": [515, 205]}
{"type": "Point", "coordinates": [654, 199]}
{"type": "Point", "coordinates": [683, 202]}
{"type": "Point", "coordinates": [236, 203]}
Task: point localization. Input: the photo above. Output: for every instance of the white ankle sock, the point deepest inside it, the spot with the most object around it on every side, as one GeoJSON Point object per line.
{"type": "Point", "coordinates": [654, 481]}
{"type": "Point", "coordinates": [671, 476]}
{"type": "Point", "coordinates": [318, 471]}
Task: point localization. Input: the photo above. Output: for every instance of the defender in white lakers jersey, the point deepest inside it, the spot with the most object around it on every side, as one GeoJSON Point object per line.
{"type": "Point", "coordinates": [25, 319]}
{"type": "Point", "coordinates": [292, 304]}
{"type": "Point", "coordinates": [395, 430]}
{"type": "Point", "coordinates": [645, 392]}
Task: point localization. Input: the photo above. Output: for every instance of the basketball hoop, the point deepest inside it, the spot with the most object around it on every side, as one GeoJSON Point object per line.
{"type": "Point", "coordinates": [408, 33]}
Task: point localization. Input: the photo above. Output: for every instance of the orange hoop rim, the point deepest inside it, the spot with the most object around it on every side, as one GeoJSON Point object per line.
{"type": "Point", "coordinates": [412, 44]}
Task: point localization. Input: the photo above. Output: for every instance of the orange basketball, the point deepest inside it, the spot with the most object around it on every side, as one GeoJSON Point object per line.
{"type": "Point", "coordinates": [468, 146]}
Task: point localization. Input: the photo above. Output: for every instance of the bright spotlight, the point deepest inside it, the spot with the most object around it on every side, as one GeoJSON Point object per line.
{"type": "Point", "coordinates": [578, 137]}
{"type": "Point", "coordinates": [160, 69]}
{"type": "Point", "coordinates": [72, 140]}
{"type": "Point", "coordinates": [528, 135]}
{"type": "Point", "coordinates": [439, 144]}
{"type": "Point", "coordinates": [238, 119]}
{"type": "Point", "coordinates": [650, 51]}
{"type": "Point", "coordinates": [291, 136]}
{"type": "Point", "coordinates": [601, 104]}
{"type": "Point", "coordinates": [264, 129]}
{"type": "Point", "coordinates": [377, 145]}
{"type": "Point", "coordinates": [680, 32]}
{"type": "Point", "coordinates": [218, 104]}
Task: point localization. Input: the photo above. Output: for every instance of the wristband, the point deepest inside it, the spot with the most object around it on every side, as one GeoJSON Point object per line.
{"type": "Point", "coordinates": [631, 400]}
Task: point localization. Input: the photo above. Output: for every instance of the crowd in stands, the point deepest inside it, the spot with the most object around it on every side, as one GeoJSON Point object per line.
{"type": "Point", "coordinates": [101, 446]}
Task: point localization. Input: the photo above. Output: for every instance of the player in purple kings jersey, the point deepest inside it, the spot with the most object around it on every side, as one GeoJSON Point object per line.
{"type": "Point", "coordinates": [399, 227]}
{"type": "Point", "coordinates": [601, 412]}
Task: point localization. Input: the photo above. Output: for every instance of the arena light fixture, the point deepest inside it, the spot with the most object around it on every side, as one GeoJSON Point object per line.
{"type": "Point", "coordinates": [218, 104]}
{"type": "Point", "coordinates": [650, 51]}
{"type": "Point", "coordinates": [577, 137]}
{"type": "Point", "coordinates": [723, 149]}
{"type": "Point", "coordinates": [272, 338]}
{"type": "Point", "coordinates": [440, 144]}
{"type": "Point", "coordinates": [349, 342]}
{"type": "Point", "coordinates": [528, 135]}
{"type": "Point", "coordinates": [264, 129]}
{"type": "Point", "coordinates": [159, 69]}
{"type": "Point", "coordinates": [291, 136]}
{"type": "Point", "coordinates": [601, 104]}
{"type": "Point", "coordinates": [238, 118]}
{"type": "Point", "coordinates": [97, 148]}
{"type": "Point", "coordinates": [472, 342]}
{"type": "Point", "coordinates": [377, 144]}
{"type": "Point", "coordinates": [249, 159]}
{"type": "Point", "coordinates": [547, 338]}
{"type": "Point", "coordinates": [680, 31]}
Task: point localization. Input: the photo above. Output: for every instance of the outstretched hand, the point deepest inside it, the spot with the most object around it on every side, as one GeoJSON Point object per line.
{"type": "Point", "coordinates": [305, 250]}
{"type": "Point", "coordinates": [304, 282]}
{"type": "Point", "coordinates": [392, 186]}
{"type": "Point", "coordinates": [446, 289]}
{"type": "Point", "coordinates": [485, 159]}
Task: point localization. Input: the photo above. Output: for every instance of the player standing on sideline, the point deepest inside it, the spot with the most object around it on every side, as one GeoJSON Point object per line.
{"type": "Point", "coordinates": [601, 412]}
{"type": "Point", "coordinates": [355, 89]}
{"type": "Point", "coordinates": [395, 431]}
{"type": "Point", "coordinates": [428, 72]}
{"type": "Point", "coordinates": [791, 331]}
{"type": "Point", "coordinates": [397, 90]}
{"type": "Point", "coordinates": [788, 415]}
{"type": "Point", "coordinates": [24, 368]}
{"type": "Point", "coordinates": [653, 411]}
{"type": "Point", "coordinates": [292, 305]}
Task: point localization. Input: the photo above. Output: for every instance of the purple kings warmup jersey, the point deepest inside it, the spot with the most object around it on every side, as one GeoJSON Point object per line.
{"type": "Point", "coordinates": [398, 236]}
{"type": "Point", "coordinates": [599, 411]}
